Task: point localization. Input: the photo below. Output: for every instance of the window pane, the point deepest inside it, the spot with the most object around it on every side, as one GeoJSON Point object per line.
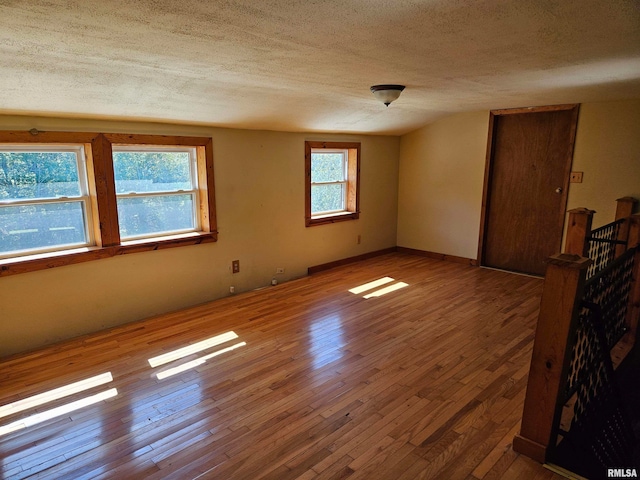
{"type": "Point", "coordinates": [25, 175]}
{"type": "Point", "coordinates": [140, 216]}
{"type": "Point", "coordinates": [24, 227]}
{"type": "Point", "coordinates": [152, 171]}
{"type": "Point", "coordinates": [327, 198]}
{"type": "Point", "coordinates": [327, 167]}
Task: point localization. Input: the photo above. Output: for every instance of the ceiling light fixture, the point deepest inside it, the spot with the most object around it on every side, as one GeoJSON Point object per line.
{"type": "Point", "coordinates": [387, 93]}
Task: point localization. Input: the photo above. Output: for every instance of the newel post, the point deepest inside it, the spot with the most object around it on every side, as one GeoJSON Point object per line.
{"type": "Point", "coordinates": [624, 209]}
{"type": "Point", "coordinates": [559, 310]}
{"type": "Point", "coordinates": [633, 309]}
{"type": "Point", "coordinates": [578, 229]}
{"type": "Point", "coordinates": [634, 230]}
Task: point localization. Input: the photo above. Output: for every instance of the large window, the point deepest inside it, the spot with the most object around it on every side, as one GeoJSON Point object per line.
{"type": "Point", "coordinates": [44, 199]}
{"type": "Point", "coordinates": [332, 183]}
{"type": "Point", "coordinates": [73, 197]}
{"type": "Point", "coordinates": [156, 191]}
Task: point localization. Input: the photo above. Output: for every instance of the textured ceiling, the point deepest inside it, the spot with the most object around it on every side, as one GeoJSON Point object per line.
{"type": "Point", "coordinates": [307, 65]}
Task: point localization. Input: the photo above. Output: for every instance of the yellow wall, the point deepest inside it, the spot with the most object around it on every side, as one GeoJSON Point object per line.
{"type": "Point", "coordinates": [607, 150]}
{"type": "Point", "coordinates": [259, 178]}
{"type": "Point", "coordinates": [442, 174]}
{"type": "Point", "coordinates": [440, 186]}
{"type": "Point", "coordinates": [428, 183]}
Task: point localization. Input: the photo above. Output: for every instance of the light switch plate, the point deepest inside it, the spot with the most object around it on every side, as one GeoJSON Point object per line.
{"type": "Point", "coordinates": [576, 177]}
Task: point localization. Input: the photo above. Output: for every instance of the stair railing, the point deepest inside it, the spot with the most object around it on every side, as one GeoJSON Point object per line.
{"type": "Point", "coordinates": [604, 244]}
{"type": "Point", "coordinates": [586, 327]}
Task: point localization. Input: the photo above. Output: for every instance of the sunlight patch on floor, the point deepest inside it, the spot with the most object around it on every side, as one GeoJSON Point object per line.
{"type": "Point", "coordinates": [198, 361]}
{"type": "Point", "coordinates": [378, 283]}
{"type": "Point", "coordinates": [385, 290]}
{"type": "Point", "coordinates": [55, 394]}
{"type": "Point", "coordinates": [191, 349]}
{"type": "Point", "coordinates": [58, 411]}
{"type": "Point", "coordinates": [368, 286]}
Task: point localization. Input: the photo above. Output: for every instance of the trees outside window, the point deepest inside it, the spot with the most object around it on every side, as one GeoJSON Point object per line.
{"type": "Point", "coordinates": [44, 199]}
{"type": "Point", "coordinates": [75, 197]}
{"type": "Point", "coordinates": [331, 182]}
{"type": "Point", "coordinates": [156, 191]}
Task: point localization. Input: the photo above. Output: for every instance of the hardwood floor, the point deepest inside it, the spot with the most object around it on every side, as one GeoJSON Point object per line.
{"type": "Point", "coordinates": [427, 381]}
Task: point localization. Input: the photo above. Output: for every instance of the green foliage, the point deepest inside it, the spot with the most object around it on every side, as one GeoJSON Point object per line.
{"type": "Point", "coordinates": [151, 171]}
{"type": "Point", "coordinates": [26, 175]}
{"type": "Point", "coordinates": [148, 172]}
{"type": "Point", "coordinates": [49, 175]}
{"type": "Point", "coordinates": [39, 175]}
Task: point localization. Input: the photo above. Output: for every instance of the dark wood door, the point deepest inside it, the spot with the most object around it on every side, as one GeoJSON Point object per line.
{"type": "Point", "coordinates": [526, 187]}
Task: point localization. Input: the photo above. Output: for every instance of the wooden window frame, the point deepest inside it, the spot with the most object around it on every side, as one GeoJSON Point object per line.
{"type": "Point", "coordinates": [352, 201]}
{"type": "Point", "coordinates": [98, 152]}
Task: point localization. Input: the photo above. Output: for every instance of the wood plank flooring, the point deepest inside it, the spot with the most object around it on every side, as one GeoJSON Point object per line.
{"type": "Point", "coordinates": [427, 381]}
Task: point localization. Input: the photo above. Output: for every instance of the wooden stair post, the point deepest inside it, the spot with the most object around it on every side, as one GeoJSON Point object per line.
{"type": "Point", "coordinates": [559, 310]}
{"type": "Point", "coordinates": [578, 230]}
{"type": "Point", "coordinates": [624, 209]}
{"type": "Point", "coordinates": [634, 230]}
{"type": "Point", "coordinates": [633, 310]}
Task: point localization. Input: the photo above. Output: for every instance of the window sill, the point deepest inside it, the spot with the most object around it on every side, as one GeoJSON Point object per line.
{"type": "Point", "coordinates": [43, 261]}
{"type": "Point", "coordinates": [332, 218]}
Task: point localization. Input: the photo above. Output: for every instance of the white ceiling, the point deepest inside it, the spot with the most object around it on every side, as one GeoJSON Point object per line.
{"type": "Point", "coordinates": [307, 65]}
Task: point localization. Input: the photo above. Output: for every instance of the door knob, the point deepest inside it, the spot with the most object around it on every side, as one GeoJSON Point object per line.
{"type": "Point", "coordinates": [559, 190]}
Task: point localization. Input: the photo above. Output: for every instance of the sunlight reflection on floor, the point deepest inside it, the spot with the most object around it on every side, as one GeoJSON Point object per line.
{"type": "Point", "coordinates": [325, 333]}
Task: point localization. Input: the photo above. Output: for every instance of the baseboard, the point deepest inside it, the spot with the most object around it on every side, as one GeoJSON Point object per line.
{"type": "Point", "coordinates": [438, 256]}
{"type": "Point", "coordinates": [384, 251]}
{"type": "Point", "coordinates": [346, 261]}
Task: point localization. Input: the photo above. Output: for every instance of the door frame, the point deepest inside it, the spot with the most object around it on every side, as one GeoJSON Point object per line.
{"type": "Point", "coordinates": [488, 172]}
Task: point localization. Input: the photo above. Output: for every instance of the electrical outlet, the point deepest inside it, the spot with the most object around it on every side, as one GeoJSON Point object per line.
{"type": "Point", "coordinates": [235, 266]}
{"type": "Point", "coordinates": [279, 270]}
{"type": "Point", "coordinates": [232, 289]}
{"type": "Point", "coordinates": [576, 177]}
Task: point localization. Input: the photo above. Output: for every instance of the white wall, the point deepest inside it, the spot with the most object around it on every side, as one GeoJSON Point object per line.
{"type": "Point", "coordinates": [259, 177]}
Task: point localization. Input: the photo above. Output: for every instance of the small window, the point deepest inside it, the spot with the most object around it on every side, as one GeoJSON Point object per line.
{"type": "Point", "coordinates": [44, 199]}
{"type": "Point", "coordinates": [332, 185]}
{"type": "Point", "coordinates": [328, 181]}
{"type": "Point", "coordinates": [156, 191]}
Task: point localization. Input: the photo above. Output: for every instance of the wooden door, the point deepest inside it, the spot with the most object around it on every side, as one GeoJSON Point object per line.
{"type": "Point", "coordinates": [526, 181]}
